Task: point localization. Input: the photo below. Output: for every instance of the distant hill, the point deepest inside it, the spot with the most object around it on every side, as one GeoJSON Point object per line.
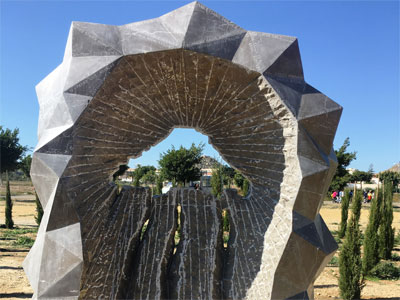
{"type": "Point", "coordinates": [395, 168]}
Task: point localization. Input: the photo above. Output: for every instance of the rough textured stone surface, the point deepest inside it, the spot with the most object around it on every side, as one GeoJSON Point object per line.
{"type": "Point", "coordinates": [121, 90]}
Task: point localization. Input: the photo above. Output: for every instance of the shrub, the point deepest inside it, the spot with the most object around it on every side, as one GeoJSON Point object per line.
{"type": "Point", "coordinates": [386, 271]}
{"type": "Point", "coordinates": [395, 257]}
{"type": "Point", "coordinates": [225, 221]}
{"type": "Point", "coordinates": [24, 241]}
{"type": "Point", "coordinates": [334, 262]}
{"type": "Point", "coordinates": [246, 185]}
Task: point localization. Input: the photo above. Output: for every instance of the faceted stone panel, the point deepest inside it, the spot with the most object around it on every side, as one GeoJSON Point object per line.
{"type": "Point", "coordinates": [121, 90]}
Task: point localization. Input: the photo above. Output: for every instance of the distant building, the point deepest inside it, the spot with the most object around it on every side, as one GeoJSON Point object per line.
{"type": "Point", "coordinates": [207, 165]}
{"type": "Point", "coordinates": [127, 176]}
{"type": "Point", "coordinates": [351, 170]}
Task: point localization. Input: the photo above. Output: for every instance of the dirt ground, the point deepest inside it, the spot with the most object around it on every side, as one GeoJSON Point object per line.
{"type": "Point", "coordinates": [15, 285]}
{"type": "Point", "coordinates": [326, 286]}
{"type": "Point", "coordinates": [13, 281]}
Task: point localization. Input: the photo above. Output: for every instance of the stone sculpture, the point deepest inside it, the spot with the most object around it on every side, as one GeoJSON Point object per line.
{"type": "Point", "coordinates": [121, 90]}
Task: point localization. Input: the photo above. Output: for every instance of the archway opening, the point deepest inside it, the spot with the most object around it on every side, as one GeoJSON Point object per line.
{"type": "Point", "coordinates": [146, 171]}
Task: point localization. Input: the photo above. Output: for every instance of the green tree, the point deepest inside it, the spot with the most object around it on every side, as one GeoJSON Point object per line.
{"type": "Point", "coordinates": [11, 150]}
{"type": "Point", "coordinates": [10, 154]}
{"type": "Point", "coordinates": [228, 175]}
{"type": "Point", "coordinates": [358, 176]}
{"type": "Point", "coordinates": [390, 176]}
{"type": "Point", "coordinates": [25, 165]}
{"type": "Point", "coordinates": [371, 240]}
{"type": "Point", "coordinates": [9, 205]}
{"type": "Point", "coordinates": [39, 210]}
{"type": "Point", "coordinates": [342, 176]}
{"type": "Point", "coordinates": [386, 232]}
{"type": "Point", "coordinates": [241, 182]}
{"type": "Point", "coordinates": [351, 281]}
{"type": "Point", "coordinates": [181, 166]}
{"type": "Point", "coordinates": [217, 182]}
{"type": "Point", "coordinates": [239, 179]}
{"type": "Point", "coordinates": [150, 177]}
{"type": "Point", "coordinates": [140, 172]}
{"type": "Point", "coordinates": [159, 185]}
{"type": "Point", "coordinates": [345, 212]}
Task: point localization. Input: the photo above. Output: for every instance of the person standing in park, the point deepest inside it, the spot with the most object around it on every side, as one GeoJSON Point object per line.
{"type": "Point", "coordinates": [369, 196]}
{"type": "Point", "coordinates": [334, 195]}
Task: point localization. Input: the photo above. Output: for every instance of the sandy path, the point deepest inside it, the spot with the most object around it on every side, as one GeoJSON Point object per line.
{"type": "Point", "coordinates": [326, 286]}
{"type": "Point", "coordinates": [13, 282]}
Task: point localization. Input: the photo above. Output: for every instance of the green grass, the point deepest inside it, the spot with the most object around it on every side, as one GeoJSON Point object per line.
{"type": "Point", "coordinates": [17, 237]}
{"type": "Point", "coordinates": [334, 262]}
{"type": "Point", "coordinates": [24, 241]}
{"type": "Point", "coordinates": [13, 233]}
{"type": "Point", "coordinates": [372, 278]}
{"type": "Point", "coordinates": [395, 257]}
{"type": "Point", "coordinates": [397, 238]}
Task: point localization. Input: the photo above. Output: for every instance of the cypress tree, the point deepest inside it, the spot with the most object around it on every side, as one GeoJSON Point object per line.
{"type": "Point", "coordinates": [245, 187]}
{"type": "Point", "coordinates": [386, 232]}
{"type": "Point", "coordinates": [39, 210]}
{"type": "Point", "coordinates": [345, 212]}
{"type": "Point", "coordinates": [159, 185]}
{"type": "Point", "coordinates": [371, 239]}
{"type": "Point", "coordinates": [356, 205]}
{"type": "Point", "coordinates": [217, 182]}
{"type": "Point", "coordinates": [9, 205]}
{"type": "Point", "coordinates": [136, 182]}
{"type": "Point", "coordinates": [351, 281]}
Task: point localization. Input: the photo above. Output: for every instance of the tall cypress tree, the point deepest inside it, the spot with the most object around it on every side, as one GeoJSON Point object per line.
{"type": "Point", "coordinates": [386, 232]}
{"type": "Point", "coordinates": [159, 185]}
{"type": "Point", "coordinates": [9, 205]}
{"type": "Point", "coordinates": [371, 239]}
{"type": "Point", "coordinates": [356, 205]}
{"type": "Point", "coordinates": [246, 185]}
{"type": "Point", "coordinates": [217, 182]}
{"type": "Point", "coordinates": [351, 281]}
{"type": "Point", "coordinates": [345, 212]}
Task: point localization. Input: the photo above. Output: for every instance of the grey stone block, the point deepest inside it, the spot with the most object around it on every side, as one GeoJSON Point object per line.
{"type": "Point", "coordinates": [121, 90]}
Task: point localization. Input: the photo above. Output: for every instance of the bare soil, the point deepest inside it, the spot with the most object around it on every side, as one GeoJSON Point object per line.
{"type": "Point", "coordinates": [326, 286]}
{"type": "Point", "coordinates": [13, 282]}
{"type": "Point", "coordinates": [15, 285]}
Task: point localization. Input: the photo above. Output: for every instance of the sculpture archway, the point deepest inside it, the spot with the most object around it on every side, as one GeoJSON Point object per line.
{"type": "Point", "coordinates": [121, 90]}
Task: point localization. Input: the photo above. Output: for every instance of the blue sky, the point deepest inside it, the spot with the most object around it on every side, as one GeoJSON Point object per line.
{"type": "Point", "coordinates": [350, 52]}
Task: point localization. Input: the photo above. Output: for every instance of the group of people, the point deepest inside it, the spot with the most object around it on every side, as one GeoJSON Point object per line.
{"type": "Point", "coordinates": [338, 195]}
{"type": "Point", "coordinates": [368, 196]}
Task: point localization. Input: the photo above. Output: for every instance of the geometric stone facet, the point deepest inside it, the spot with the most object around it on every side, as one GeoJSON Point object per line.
{"type": "Point", "coordinates": [121, 90]}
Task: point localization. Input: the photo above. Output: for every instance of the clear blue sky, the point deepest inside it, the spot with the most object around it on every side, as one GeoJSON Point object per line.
{"type": "Point", "coordinates": [350, 52]}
